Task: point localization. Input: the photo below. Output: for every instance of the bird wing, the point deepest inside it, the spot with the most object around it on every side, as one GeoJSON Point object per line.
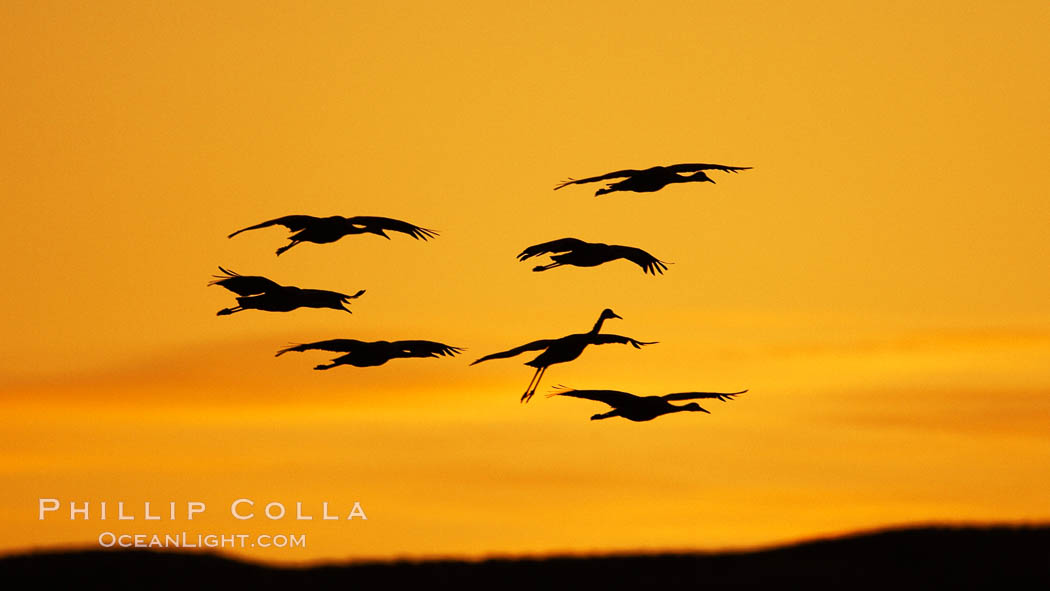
{"type": "Point", "coordinates": [334, 345]}
{"type": "Point", "coordinates": [425, 349]}
{"type": "Point", "coordinates": [307, 294]}
{"type": "Point", "coordinates": [613, 398]}
{"type": "Point", "coordinates": [244, 285]}
{"type": "Point", "coordinates": [610, 175]}
{"type": "Point", "coordinates": [560, 245]}
{"type": "Point", "coordinates": [292, 222]}
{"type": "Point", "coordinates": [696, 167]}
{"type": "Point", "coordinates": [533, 346]}
{"type": "Point", "coordinates": [605, 339]}
{"type": "Point", "coordinates": [646, 261]}
{"type": "Point", "coordinates": [393, 225]}
{"type": "Point", "coordinates": [723, 396]}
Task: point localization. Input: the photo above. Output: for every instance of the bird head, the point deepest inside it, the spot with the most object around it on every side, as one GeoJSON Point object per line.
{"type": "Point", "coordinates": [694, 407]}
{"type": "Point", "coordinates": [608, 313]}
{"type": "Point", "coordinates": [603, 191]}
{"type": "Point", "coordinates": [701, 177]}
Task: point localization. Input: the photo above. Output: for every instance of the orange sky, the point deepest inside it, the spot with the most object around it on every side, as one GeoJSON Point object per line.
{"type": "Point", "coordinates": [878, 280]}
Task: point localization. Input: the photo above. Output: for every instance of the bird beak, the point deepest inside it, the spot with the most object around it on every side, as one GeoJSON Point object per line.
{"type": "Point", "coordinates": [615, 315]}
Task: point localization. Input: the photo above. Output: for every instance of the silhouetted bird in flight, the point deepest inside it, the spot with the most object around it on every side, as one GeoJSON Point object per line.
{"type": "Point", "coordinates": [365, 354]}
{"type": "Point", "coordinates": [643, 408]}
{"type": "Point", "coordinates": [563, 349]}
{"type": "Point", "coordinates": [324, 230]}
{"type": "Point", "coordinates": [591, 254]}
{"type": "Point", "coordinates": [260, 293]}
{"type": "Point", "coordinates": [653, 179]}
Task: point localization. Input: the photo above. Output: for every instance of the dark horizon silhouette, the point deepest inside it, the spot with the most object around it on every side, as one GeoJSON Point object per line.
{"type": "Point", "coordinates": [371, 354]}
{"type": "Point", "coordinates": [920, 557]}
{"type": "Point", "coordinates": [563, 350]}
{"type": "Point", "coordinates": [259, 293]}
{"type": "Point", "coordinates": [576, 252]}
{"type": "Point", "coordinates": [653, 179]}
{"type": "Point", "coordinates": [319, 230]}
{"type": "Point", "coordinates": [644, 408]}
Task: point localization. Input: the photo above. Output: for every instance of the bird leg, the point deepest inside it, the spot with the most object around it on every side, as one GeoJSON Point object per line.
{"type": "Point", "coordinates": [542, 373]}
{"type": "Point", "coordinates": [228, 311]}
{"type": "Point", "coordinates": [528, 388]}
{"type": "Point", "coordinates": [545, 267]}
{"type": "Point", "coordinates": [286, 247]}
{"type": "Point", "coordinates": [535, 383]}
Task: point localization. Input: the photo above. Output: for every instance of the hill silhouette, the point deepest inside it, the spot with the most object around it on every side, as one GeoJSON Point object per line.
{"type": "Point", "coordinates": [928, 557]}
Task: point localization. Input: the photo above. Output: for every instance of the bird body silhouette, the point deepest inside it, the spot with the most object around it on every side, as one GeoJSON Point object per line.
{"type": "Point", "coordinates": [308, 228]}
{"type": "Point", "coordinates": [371, 354]}
{"type": "Point", "coordinates": [563, 350]}
{"type": "Point", "coordinates": [644, 408]}
{"type": "Point", "coordinates": [260, 293]}
{"type": "Point", "coordinates": [653, 179]}
{"type": "Point", "coordinates": [578, 253]}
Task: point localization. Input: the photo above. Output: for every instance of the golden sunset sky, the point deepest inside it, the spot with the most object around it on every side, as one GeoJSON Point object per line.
{"type": "Point", "coordinates": [878, 281]}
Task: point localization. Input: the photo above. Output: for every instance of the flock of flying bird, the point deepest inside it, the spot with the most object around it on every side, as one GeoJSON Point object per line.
{"type": "Point", "coordinates": [259, 293]}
